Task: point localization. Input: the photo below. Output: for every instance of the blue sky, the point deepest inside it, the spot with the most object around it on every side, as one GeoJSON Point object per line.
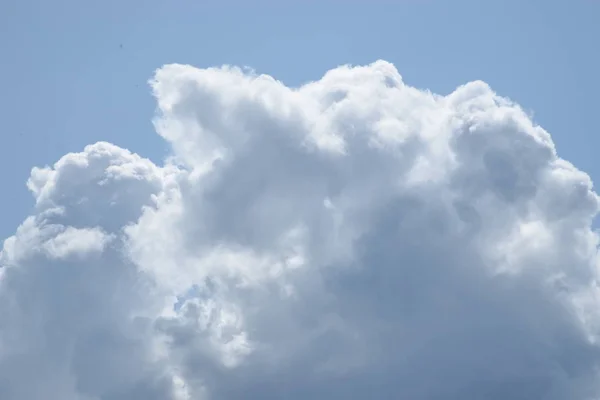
{"type": "Point", "coordinates": [68, 82]}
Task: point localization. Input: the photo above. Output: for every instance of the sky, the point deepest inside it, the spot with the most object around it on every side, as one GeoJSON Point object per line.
{"type": "Point", "coordinates": [378, 199]}
{"type": "Point", "coordinates": [64, 67]}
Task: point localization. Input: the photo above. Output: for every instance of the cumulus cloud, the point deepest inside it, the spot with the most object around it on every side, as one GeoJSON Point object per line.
{"type": "Point", "coordinates": [354, 237]}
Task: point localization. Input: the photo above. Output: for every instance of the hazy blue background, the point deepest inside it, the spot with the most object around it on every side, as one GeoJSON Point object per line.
{"type": "Point", "coordinates": [67, 82]}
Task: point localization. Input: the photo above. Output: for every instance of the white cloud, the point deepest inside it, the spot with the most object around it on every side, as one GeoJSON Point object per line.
{"type": "Point", "coordinates": [354, 237]}
{"type": "Point", "coordinates": [74, 241]}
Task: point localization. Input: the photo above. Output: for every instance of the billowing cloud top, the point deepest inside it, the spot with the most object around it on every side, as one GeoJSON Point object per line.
{"type": "Point", "coordinates": [351, 238]}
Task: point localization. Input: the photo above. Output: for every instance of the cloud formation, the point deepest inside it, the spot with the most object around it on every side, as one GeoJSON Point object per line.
{"type": "Point", "coordinates": [351, 238]}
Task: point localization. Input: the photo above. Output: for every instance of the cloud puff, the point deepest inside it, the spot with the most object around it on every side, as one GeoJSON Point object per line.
{"type": "Point", "coordinates": [351, 238]}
